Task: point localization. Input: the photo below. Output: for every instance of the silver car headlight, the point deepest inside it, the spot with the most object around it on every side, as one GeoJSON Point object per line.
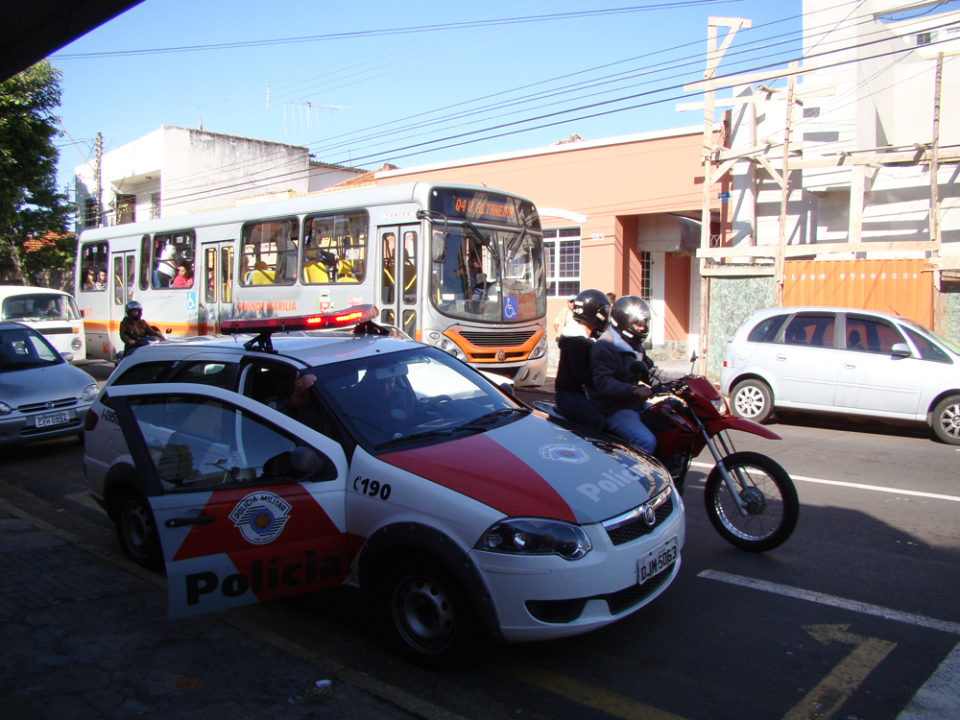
{"type": "Point", "coordinates": [535, 536]}
{"type": "Point", "coordinates": [89, 392]}
{"type": "Point", "coordinates": [5, 409]}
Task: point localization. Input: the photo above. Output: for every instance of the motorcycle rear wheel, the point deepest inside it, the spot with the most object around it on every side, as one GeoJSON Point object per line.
{"type": "Point", "coordinates": [771, 498]}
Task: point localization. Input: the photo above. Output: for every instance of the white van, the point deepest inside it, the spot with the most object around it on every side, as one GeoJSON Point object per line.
{"type": "Point", "coordinates": [52, 313]}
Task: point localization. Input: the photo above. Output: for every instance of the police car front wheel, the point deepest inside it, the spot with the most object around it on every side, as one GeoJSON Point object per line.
{"type": "Point", "coordinates": [428, 613]}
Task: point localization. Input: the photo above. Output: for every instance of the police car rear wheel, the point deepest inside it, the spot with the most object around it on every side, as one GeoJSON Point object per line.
{"type": "Point", "coordinates": [428, 613]}
{"type": "Point", "coordinates": [137, 531]}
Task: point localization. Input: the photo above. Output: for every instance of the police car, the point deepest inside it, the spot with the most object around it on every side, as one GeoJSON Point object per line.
{"type": "Point", "coordinates": [400, 470]}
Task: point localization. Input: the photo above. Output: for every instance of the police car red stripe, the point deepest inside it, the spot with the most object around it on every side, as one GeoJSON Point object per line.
{"type": "Point", "coordinates": [499, 478]}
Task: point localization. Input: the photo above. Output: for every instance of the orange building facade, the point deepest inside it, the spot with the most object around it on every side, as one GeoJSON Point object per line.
{"type": "Point", "coordinates": [619, 214]}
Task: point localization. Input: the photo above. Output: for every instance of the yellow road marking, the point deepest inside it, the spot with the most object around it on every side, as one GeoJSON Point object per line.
{"type": "Point", "coordinates": [834, 690]}
{"type": "Point", "coordinates": [587, 695]}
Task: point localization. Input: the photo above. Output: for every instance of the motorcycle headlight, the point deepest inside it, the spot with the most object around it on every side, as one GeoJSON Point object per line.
{"type": "Point", "coordinates": [719, 404]}
{"type": "Point", "coordinates": [89, 392]}
{"type": "Point", "coordinates": [533, 536]}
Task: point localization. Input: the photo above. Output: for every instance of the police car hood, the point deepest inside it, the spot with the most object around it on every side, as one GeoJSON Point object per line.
{"type": "Point", "coordinates": [534, 468]}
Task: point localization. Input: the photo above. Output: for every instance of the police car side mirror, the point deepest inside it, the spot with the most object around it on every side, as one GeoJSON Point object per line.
{"type": "Point", "coordinates": [67, 356]}
{"type": "Point", "coordinates": [308, 463]}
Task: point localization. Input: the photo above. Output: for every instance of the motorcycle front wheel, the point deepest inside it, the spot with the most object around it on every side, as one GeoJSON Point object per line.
{"type": "Point", "coordinates": [768, 493]}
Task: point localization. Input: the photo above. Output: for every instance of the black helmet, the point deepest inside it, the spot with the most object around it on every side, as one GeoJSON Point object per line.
{"type": "Point", "coordinates": [631, 319]}
{"type": "Point", "coordinates": [134, 310]}
{"type": "Point", "coordinates": [592, 308]}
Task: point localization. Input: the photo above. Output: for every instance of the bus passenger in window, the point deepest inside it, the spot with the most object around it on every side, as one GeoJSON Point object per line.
{"type": "Point", "coordinates": [89, 281]}
{"type": "Point", "coordinates": [101, 283]}
{"type": "Point", "coordinates": [167, 266]}
{"type": "Point", "coordinates": [184, 278]}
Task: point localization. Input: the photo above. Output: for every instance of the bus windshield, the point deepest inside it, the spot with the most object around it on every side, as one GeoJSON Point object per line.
{"type": "Point", "coordinates": [493, 275]}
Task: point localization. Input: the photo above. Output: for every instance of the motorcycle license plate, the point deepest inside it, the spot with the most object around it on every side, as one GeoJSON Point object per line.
{"type": "Point", "coordinates": [52, 419]}
{"type": "Point", "coordinates": [657, 560]}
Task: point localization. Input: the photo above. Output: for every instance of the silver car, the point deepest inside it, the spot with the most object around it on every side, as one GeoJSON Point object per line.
{"type": "Point", "coordinates": [41, 394]}
{"type": "Point", "coordinates": [843, 360]}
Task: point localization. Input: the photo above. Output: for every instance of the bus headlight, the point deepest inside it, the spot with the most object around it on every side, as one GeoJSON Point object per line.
{"type": "Point", "coordinates": [540, 348]}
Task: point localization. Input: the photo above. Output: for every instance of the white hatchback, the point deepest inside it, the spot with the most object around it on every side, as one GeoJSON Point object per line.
{"type": "Point", "coordinates": [843, 360]}
{"type": "Point", "coordinates": [401, 470]}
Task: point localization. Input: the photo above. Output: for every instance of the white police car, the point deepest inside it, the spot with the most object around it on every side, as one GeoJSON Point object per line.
{"type": "Point", "coordinates": [404, 472]}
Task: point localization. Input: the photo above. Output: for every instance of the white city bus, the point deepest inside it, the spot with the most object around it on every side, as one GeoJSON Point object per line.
{"type": "Point", "coordinates": [456, 266]}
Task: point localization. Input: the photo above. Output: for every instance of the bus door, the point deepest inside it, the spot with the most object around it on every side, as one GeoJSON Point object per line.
{"type": "Point", "coordinates": [122, 279]}
{"type": "Point", "coordinates": [216, 304]}
{"type": "Point", "coordinates": [398, 288]}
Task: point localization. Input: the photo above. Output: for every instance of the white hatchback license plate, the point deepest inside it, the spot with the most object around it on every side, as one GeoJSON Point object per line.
{"type": "Point", "coordinates": [51, 419]}
{"type": "Point", "coordinates": [657, 560]}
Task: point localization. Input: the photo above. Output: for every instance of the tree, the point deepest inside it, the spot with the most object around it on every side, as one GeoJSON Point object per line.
{"type": "Point", "coordinates": [29, 202]}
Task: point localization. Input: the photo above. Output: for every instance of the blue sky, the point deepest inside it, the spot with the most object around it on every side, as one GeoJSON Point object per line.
{"type": "Point", "coordinates": [380, 81]}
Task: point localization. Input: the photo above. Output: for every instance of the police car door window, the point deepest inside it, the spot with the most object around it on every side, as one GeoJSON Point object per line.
{"type": "Point", "coordinates": [197, 442]}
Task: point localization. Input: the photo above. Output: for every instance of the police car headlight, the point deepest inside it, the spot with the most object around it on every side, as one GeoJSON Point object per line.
{"type": "Point", "coordinates": [532, 536]}
{"type": "Point", "coordinates": [89, 392]}
{"type": "Point", "coordinates": [5, 409]}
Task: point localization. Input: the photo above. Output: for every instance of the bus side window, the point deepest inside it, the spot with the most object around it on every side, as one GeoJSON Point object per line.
{"type": "Point", "coordinates": [145, 247]}
{"type": "Point", "coordinates": [334, 249]}
{"type": "Point", "coordinates": [269, 253]}
{"type": "Point", "coordinates": [93, 267]}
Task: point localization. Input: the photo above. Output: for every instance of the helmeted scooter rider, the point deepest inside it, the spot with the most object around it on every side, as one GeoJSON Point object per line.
{"type": "Point", "coordinates": [621, 372]}
{"type": "Point", "coordinates": [134, 330]}
{"type": "Point", "coordinates": [591, 313]}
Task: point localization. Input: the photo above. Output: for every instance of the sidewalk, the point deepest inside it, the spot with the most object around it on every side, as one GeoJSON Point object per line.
{"type": "Point", "coordinates": [86, 638]}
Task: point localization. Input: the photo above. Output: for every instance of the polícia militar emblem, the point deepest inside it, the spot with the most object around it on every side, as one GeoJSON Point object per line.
{"type": "Point", "coordinates": [564, 453]}
{"type": "Point", "coordinates": [261, 516]}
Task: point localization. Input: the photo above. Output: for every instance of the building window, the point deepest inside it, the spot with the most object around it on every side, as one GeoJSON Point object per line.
{"type": "Point", "coordinates": [645, 265]}
{"type": "Point", "coordinates": [126, 209]}
{"type": "Point", "coordinates": [561, 249]}
{"type": "Point", "coordinates": [924, 38]}
{"type": "Point", "coordinates": [155, 206]}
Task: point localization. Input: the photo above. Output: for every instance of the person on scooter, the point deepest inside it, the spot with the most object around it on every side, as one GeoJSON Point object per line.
{"type": "Point", "coordinates": [621, 372]}
{"type": "Point", "coordinates": [591, 313]}
{"type": "Point", "coordinates": [134, 330]}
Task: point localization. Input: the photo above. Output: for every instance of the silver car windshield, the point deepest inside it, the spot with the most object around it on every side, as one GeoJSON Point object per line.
{"type": "Point", "coordinates": [22, 348]}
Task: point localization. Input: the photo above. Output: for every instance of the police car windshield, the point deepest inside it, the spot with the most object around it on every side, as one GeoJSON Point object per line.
{"type": "Point", "coordinates": [417, 396]}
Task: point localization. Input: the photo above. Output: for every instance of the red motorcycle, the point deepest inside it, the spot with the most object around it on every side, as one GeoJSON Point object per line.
{"type": "Point", "coordinates": [750, 499]}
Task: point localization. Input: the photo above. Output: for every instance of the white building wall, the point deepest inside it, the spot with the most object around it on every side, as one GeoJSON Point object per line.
{"type": "Point", "coordinates": [176, 171]}
{"type": "Point", "coordinates": [863, 105]}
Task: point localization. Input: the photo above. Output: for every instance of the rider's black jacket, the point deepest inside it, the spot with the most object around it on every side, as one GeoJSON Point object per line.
{"type": "Point", "coordinates": [617, 370]}
{"type": "Point", "coordinates": [573, 367]}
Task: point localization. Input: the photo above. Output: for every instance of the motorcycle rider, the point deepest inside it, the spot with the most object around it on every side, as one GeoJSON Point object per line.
{"type": "Point", "coordinates": [591, 313]}
{"type": "Point", "coordinates": [621, 372]}
{"type": "Point", "coordinates": [134, 330]}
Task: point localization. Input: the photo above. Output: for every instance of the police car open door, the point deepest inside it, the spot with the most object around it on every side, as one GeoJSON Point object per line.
{"type": "Point", "coordinates": [248, 503]}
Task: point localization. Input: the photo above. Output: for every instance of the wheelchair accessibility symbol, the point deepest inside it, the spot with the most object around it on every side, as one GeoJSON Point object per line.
{"type": "Point", "coordinates": [511, 309]}
{"type": "Point", "coordinates": [191, 300]}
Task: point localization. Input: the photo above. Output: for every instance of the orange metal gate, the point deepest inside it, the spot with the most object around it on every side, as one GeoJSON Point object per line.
{"type": "Point", "coordinates": [894, 286]}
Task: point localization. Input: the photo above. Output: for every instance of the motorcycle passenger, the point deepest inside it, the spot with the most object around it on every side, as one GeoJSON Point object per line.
{"type": "Point", "coordinates": [621, 372]}
{"type": "Point", "coordinates": [134, 330]}
{"type": "Point", "coordinates": [591, 313]}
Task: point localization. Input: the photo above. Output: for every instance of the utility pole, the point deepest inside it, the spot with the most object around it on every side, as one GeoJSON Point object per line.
{"type": "Point", "coordinates": [784, 189]}
{"type": "Point", "coordinates": [98, 156]}
{"type": "Point", "coordinates": [708, 155]}
{"type": "Point", "coordinates": [939, 308]}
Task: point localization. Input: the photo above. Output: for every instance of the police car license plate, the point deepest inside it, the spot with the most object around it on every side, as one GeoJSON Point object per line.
{"type": "Point", "coordinates": [657, 560]}
{"type": "Point", "coordinates": [51, 419]}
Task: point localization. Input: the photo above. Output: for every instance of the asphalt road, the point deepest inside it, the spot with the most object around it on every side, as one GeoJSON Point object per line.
{"type": "Point", "coordinates": [854, 617]}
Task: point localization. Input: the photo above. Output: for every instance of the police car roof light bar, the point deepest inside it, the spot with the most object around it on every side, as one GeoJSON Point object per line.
{"type": "Point", "coordinates": [263, 328]}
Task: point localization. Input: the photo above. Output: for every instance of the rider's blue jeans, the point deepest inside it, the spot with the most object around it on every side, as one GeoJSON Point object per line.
{"type": "Point", "coordinates": [627, 425]}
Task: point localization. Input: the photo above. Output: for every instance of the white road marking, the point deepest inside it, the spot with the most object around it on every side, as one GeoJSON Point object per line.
{"type": "Point", "coordinates": [937, 699]}
{"type": "Point", "coordinates": [834, 601]}
{"type": "Point", "coordinates": [856, 486]}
